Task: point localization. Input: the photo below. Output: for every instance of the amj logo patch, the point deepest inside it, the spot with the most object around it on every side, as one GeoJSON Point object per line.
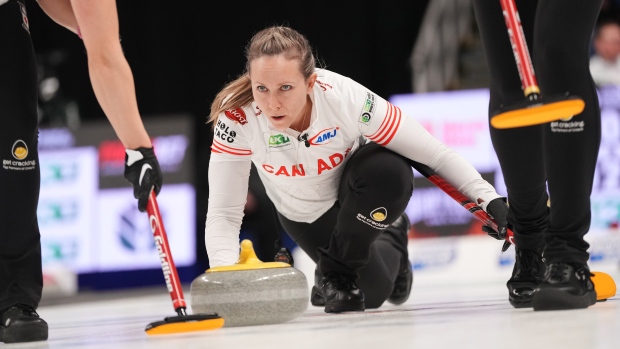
{"type": "Point", "coordinates": [325, 136]}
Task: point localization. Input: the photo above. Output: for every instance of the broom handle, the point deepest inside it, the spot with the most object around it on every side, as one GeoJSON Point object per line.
{"type": "Point", "coordinates": [520, 50]}
{"type": "Point", "coordinates": [455, 194]}
{"type": "Point", "coordinates": [165, 256]}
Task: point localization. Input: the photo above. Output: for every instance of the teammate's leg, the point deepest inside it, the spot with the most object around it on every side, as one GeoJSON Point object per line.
{"type": "Point", "coordinates": [20, 250]}
{"type": "Point", "coordinates": [563, 30]}
{"type": "Point", "coordinates": [519, 150]}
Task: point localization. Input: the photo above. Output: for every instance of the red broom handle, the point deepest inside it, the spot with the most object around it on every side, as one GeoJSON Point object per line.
{"type": "Point", "coordinates": [469, 205]}
{"type": "Point", "coordinates": [165, 256]}
{"type": "Point", "coordinates": [519, 47]}
{"type": "Point", "coordinates": [459, 197]}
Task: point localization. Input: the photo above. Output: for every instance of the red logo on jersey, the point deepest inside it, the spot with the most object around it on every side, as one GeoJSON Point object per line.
{"type": "Point", "coordinates": [236, 115]}
{"type": "Point", "coordinates": [322, 165]}
{"type": "Point", "coordinates": [324, 86]}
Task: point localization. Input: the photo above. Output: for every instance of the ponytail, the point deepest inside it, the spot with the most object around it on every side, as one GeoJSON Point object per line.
{"type": "Point", "coordinates": [236, 94]}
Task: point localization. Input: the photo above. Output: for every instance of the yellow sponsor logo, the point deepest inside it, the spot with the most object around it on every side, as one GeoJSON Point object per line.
{"type": "Point", "coordinates": [379, 214]}
{"type": "Point", "coordinates": [20, 150]}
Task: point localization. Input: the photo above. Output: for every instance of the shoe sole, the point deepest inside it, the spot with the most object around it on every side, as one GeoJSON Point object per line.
{"type": "Point", "coordinates": [403, 299]}
{"type": "Point", "coordinates": [553, 299]}
{"type": "Point", "coordinates": [519, 305]}
{"type": "Point", "coordinates": [521, 301]}
{"type": "Point", "coordinates": [316, 298]}
{"type": "Point", "coordinates": [31, 333]}
{"type": "Point", "coordinates": [339, 307]}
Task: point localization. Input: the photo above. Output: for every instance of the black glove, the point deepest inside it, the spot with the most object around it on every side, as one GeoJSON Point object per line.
{"type": "Point", "coordinates": [498, 210]}
{"type": "Point", "coordinates": [143, 172]}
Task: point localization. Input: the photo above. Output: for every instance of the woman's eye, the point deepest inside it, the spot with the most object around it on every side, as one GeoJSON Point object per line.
{"type": "Point", "coordinates": [261, 88]}
{"type": "Point", "coordinates": [286, 87]}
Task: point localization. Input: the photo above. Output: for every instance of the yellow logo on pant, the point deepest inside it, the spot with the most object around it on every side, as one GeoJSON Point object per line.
{"type": "Point", "coordinates": [379, 214]}
{"type": "Point", "coordinates": [20, 150]}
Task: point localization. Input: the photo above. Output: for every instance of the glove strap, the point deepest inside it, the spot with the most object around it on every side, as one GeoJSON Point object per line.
{"type": "Point", "coordinates": [132, 156]}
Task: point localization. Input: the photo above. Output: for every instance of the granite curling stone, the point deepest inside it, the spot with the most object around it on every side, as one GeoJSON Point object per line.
{"type": "Point", "coordinates": [251, 292]}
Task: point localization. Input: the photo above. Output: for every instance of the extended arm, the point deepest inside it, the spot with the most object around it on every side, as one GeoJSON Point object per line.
{"type": "Point", "coordinates": [228, 189]}
{"type": "Point", "coordinates": [112, 80]}
{"type": "Point", "coordinates": [110, 74]}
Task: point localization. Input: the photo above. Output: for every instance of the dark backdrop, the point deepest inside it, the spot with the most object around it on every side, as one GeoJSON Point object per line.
{"type": "Point", "coordinates": [183, 52]}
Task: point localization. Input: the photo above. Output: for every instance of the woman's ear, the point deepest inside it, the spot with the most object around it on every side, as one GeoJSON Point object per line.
{"type": "Point", "coordinates": [311, 81]}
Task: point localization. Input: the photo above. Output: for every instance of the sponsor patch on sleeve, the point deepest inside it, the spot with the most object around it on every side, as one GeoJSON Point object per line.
{"type": "Point", "coordinates": [236, 115]}
{"type": "Point", "coordinates": [223, 132]}
{"type": "Point", "coordinates": [368, 110]}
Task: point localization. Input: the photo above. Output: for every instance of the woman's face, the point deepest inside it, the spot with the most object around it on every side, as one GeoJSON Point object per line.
{"type": "Point", "coordinates": [280, 90]}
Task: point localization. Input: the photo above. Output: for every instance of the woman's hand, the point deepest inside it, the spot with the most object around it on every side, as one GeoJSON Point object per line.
{"type": "Point", "coordinates": [498, 210]}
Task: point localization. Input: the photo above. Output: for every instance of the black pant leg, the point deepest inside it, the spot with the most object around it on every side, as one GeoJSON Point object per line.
{"type": "Point", "coordinates": [519, 150]}
{"type": "Point", "coordinates": [374, 191]}
{"type": "Point", "coordinates": [563, 31]}
{"type": "Point", "coordinates": [346, 239]}
{"type": "Point", "coordinates": [558, 35]}
{"type": "Point", "coordinates": [376, 278]}
{"type": "Point", "coordinates": [21, 278]}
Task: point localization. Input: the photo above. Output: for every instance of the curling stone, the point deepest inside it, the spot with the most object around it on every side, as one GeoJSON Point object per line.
{"type": "Point", "coordinates": [251, 292]}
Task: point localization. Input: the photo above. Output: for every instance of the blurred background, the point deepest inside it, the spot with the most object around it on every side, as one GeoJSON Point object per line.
{"type": "Point", "coordinates": [424, 56]}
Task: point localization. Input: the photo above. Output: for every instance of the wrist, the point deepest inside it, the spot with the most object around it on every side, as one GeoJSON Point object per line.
{"type": "Point", "coordinates": [134, 155]}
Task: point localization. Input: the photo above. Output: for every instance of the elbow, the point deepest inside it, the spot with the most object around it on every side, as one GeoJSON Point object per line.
{"type": "Point", "coordinates": [105, 55]}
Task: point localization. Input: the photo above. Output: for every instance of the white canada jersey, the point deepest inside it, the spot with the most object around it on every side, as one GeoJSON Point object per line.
{"type": "Point", "coordinates": [302, 178]}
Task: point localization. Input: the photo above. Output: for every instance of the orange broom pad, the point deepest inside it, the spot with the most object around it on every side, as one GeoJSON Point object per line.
{"type": "Point", "coordinates": [538, 114]}
{"type": "Point", "coordinates": [188, 323]}
{"type": "Point", "coordinates": [604, 285]}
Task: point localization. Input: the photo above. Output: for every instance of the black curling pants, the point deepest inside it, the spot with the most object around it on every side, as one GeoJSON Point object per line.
{"type": "Point", "coordinates": [561, 155]}
{"type": "Point", "coordinates": [346, 239]}
{"type": "Point", "coordinates": [21, 278]}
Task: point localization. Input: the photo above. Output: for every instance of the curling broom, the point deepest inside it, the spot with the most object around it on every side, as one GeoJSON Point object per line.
{"type": "Point", "coordinates": [535, 109]}
{"type": "Point", "coordinates": [182, 322]}
{"type": "Point", "coordinates": [603, 283]}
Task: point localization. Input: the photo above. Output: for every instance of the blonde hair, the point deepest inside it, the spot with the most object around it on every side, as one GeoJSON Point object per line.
{"type": "Point", "coordinates": [273, 41]}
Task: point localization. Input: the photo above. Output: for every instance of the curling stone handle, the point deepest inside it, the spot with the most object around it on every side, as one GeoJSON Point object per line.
{"type": "Point", "coordinates": [247, 254]}
{"type": "Point", "coordinates": [165, 256]}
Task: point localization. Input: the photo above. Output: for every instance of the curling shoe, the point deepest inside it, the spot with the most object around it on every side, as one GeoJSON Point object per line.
{"type": "Point", "coordinates": [566, 286]}
{"type": "Point", "coordinates": [404, 279]}
{"type": "Point", "coordinates": [338, 293]}
{"type": "Point", "coordinates": [528, 272]}
{"type": "Point", "coordinates": [20, 323]}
